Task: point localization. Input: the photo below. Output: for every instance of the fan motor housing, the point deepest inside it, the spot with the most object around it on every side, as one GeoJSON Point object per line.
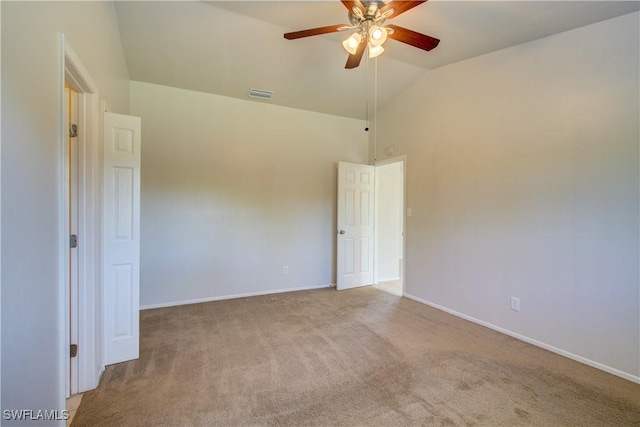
{"type": "Point", "coordinates": [371, 9]}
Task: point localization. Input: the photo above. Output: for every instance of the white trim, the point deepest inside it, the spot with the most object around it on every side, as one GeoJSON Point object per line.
{"type": "Point", "coordinates": [89, 230]}
{"type": "Point", "coordinates": [75, 71]}
{"type": "Point", "coordinates": [89, 360]}
{"type": "Point", "coordinates": [577, 358]}
{"type": "Point", "coordinates": [391, 160]}
{"type": "Point", "coordinates": [101, 371]}
{"type": "Point", "coordinates": [225, 297]}
{"type": "Point", "coordinates": [63, 258]}
{"type": "Point", "coordinates": [0, 204]}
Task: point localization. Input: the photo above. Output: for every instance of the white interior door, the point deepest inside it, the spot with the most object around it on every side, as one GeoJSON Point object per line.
{"type": "Point", "coordinates": [355, 225]}
{"type": "Point", "coordinates": [121, 221]}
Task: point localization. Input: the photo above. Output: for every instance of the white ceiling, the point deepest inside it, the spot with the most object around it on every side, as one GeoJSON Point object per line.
{"type": "Point", "coordinates": [228, 47]}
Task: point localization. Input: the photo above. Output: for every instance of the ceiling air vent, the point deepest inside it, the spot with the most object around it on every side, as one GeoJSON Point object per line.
{"type": "Point", "coordinates": [260, 93]}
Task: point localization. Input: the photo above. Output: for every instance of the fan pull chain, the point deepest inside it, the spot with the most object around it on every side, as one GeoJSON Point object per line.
{"type": "Point", "coordinates": [366, 117]}
{"type": "Point", "coordinates": [375, 110]}
{"type": "Point", "coordinates": [366, 90]}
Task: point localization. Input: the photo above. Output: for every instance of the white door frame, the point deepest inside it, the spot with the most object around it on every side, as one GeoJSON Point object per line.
{"type": "Point", "coordinates": [398, 159]}
{"type": "Point", "coordinates": [89, 359]}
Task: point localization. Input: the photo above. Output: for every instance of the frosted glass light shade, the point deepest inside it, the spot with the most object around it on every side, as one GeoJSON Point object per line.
{"type": "Point", "coordinates": [377, 35]}
{"type": "Point", "coordinates": [375, 50]}
{"type": "Point", "coordinates": [351, 44]}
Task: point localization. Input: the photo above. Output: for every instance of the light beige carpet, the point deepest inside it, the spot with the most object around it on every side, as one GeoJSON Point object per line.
{"type": "Point", "coordinates": [361, 357]}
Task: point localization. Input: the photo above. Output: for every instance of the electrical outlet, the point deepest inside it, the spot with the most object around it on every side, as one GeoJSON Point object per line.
{"type": "Point", "coordinates": [285, 270]}
{"type": "Point", "coordinates": [515, 304]}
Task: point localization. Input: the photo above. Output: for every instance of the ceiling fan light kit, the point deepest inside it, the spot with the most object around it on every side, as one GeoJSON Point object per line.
{"type": "Point", "coordinates": [351, 44]}
{"type": "Point", "coordinates": [377, 35]}
{"type": "Point", "coordinates": [375, 51]}
{"type": "Point", "coordinates": [368, 18]}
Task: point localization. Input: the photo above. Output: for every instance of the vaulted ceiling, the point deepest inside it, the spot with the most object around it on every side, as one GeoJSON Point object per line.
{"type": "Point", "coordinates": [228, 47]}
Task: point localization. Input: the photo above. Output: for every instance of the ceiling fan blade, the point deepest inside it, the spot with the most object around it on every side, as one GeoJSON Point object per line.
{"type": "Point", "coordinates": [349, 4]}
{"type": "Point", "coordinates": [354, 60]}
{"type": "Point", "coordinates": [400, 6]}
{"type": "Point", "coordinates": [315, 31]}
{"type": "Point", "coordinates": [412, 38]}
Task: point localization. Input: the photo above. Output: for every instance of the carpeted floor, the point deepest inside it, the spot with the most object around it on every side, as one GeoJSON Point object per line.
{"type": "Point", "coordinates": [361, 357]}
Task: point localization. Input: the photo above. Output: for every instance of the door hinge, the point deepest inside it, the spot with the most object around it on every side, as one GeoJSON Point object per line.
{"type": "Point", "coordinates": [74, 350]}
{"type": "Point", "coordinates": [73, 241]}
{"type": "Point", "coordinates": [73, 130]}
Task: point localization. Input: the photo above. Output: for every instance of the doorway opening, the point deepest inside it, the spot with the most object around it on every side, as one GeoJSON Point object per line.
{"type": "Point", "coordinates": [389, 226]}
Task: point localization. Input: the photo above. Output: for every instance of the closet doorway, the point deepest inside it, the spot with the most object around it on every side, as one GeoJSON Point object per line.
{"type": "Point", "coordinates": [389, 226]}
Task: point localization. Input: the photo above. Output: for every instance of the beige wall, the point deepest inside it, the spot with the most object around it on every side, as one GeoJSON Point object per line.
{"type": "Point", "coordinates": [233, 190]}
{"type": "Point", "coordinates": [32, 317]}
{"type": "Point", "coordinates": [523, 181]}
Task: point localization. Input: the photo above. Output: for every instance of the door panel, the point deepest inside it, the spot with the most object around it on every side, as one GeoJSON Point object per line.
{"type": "Point", "coordinates": [121, 237]}
{"type": "Point", "coordinates": [355, 225]}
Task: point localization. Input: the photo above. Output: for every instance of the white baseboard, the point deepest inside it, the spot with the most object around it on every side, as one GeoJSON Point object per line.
{"type": "Point", "coordinates": [589, 362]}
{"type": "Point", "coordinates": [224, 297]}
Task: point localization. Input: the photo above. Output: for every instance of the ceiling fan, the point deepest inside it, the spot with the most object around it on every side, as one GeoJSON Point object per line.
{"type": "Point", "coordinates": [368, 18]}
